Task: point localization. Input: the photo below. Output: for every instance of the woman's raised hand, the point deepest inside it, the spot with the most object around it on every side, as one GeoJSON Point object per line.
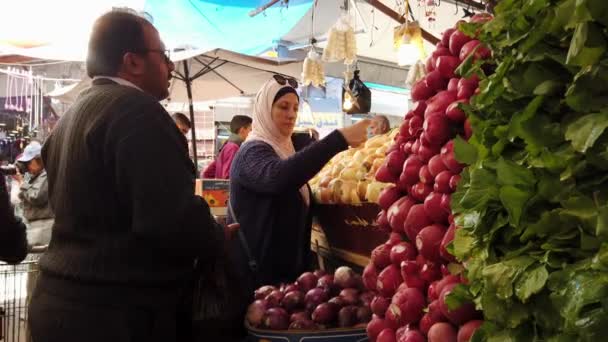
{"type": "Point", "coordinates": [356, 134]}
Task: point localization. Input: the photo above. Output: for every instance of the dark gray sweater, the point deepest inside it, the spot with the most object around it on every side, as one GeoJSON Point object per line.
{"type": "Point", "coordinates": [264, 190]}
{"type": "Point", "coordinates": [121, 185]}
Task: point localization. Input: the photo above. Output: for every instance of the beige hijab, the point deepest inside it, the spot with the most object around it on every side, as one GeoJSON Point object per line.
{"type": "Point", "coordinates": [264, 129]}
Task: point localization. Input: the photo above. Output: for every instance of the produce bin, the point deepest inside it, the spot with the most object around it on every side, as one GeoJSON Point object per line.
{"type": "Point", "coordinates": [330, 335]}
{"type": "Point", "coordinates": [351, 227]}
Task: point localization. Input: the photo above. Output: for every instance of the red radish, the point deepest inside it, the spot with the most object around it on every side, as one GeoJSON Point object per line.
{"type": "Point", "coordinates": [442, 182]}
{"type": "Point", "coordinates": [416, 124]}
{"type": "Point", "coordinates": [276, 319]}
{"type": "Point", "coordinates": [436, 165]}
{"type": "Point", "coordinates": [441, 51]}
{"type": "Point", "coordinates": [447, 239]}
{"type": "Point", "coordinates": [256, 311]}
{"type": "Point", "coordinates": [425, 175]}
{"type": "Point", "coordinates": [274, 298]}
{"type": "Point", "coordinates": [471, 82]}
{"type": "Point", "coordinates": [481, 17]}
{"type": "Point", "coordinates": [446, 65]}
{"type": "Point", "coordinates": [293, 300]}
{"type": "Point", "coordinates": [457, 40]}
{"type": "Point", "coordinates": [303, 324]}
{"type": "Point", "coordinates": [370, 276]}
{"type": "Point", "coordinates": [419, 108]}
{"type": "Point", "coordinates": [388, 280]}
{"type": "Point", "coordinates": [464, 313]}
{"type": "Point", "coordinates": [432, 207]}
{"type": "Point", "coordinates": [263, 291]}
{"type": "Point", "coordinates": [420, 91]}
{"type": "Point", "coordinates": [482, 52]}
{"type": "Point", "coordinates": [382, 221]}
{"type": "Point", "coordinates": [409, 267]}
{"type": "Point", "coordinates": [404, 129]}
{"type": "Point", "coordinates": [325, 313]}
{"type": "Point", "coordinates": [394, 238]}
{"type": "Point", "coordinates": [419, 191]}
{"type": "Point", "coordinates": [394, 162]}
{"type": "Point", "coordinates": [430, 272]}
{"type": "Point", "coordinates": [468, 131]}
{"type": "Point", "coordinates": [401, 252]}
{"type": "Point", "coordinates": [307, 281]}
{"type": "Point", "coordinates": [299, 316]}
{"type": "Point", "coordinates": [384, 175]}
{"type": "Point", "coordinates": [431, 292]}
{"type": "Point", "coordinates": [401, 332]}
{"type": "Point", "coordinates": [415, 146]}
{"type": "Point", "coordinates": [454, 113]}
{"type": "Point", "coordinates": [412, 336]}
{"type": "Point", "coordinates": [409, 115]}
{"type": "Point", "coordinates": [467, 330]}
{"type": "Point", "coordinates": [407, 306]}
{"type": "Point", "coordinates": [445, 204]}
{"type": "Point", "coordinates": [415, 221]}
{"type": "Point", "coordinates": [375, 326]}
{"type": "Point", "coordinates": [464, 93]}
{"type": "Point", "coordinates": [449, 159]}
{"type": "Point", "coordinates": [429, 240]}
{"type": "Point", "coordinates": [430, 64]}
{"type": "Point", "coordinates": [453, 84]}
{"type": "Point", "coordinates": [379, 305]}
{"type": "Point", "coordinates": [434, 310]}
{"type": "Point", "coordinates": [387, 335]}
{"type": "Point", "coordinates": [437, 129]}
{"type": "Point", "coordinates": [388, 196]}
{"type": "Point", "coordinates": [397, 214]}
{"type": "Point", "coordinates": [344, 277]}
{"type": "Point", "coordinates": [425, 153]}
{"type": "Point", "coordinates": [407, 148]}
{"type": "Point", "coordinates": [448, 279]}
{"type": "Point", "coordinates": [435, 81]}
{"type": "Point", "coordinates": [290, 287]}
{"type": "Point", "coordinates": [439, 102]}
{"type": "Point", "coordinates": [454, 182]}
{"type": "Point", "coordinates": [411, 170]}
{"type": "Point", "coordinates": [426, 322]}
{"type": "Point", "coordinates": [445, 37]}
{"type": "Point", "coordinates": [442, 332]}
{"type": "Point", "coordinates": [415, 282]}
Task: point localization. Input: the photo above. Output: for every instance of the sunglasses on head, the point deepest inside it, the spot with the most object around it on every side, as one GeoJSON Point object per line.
{"type": "Point", "coordinates": [282, 80]}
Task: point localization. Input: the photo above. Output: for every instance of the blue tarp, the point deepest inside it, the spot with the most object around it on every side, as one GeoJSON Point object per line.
{"type": "Point", "coordinates": [211, 24]}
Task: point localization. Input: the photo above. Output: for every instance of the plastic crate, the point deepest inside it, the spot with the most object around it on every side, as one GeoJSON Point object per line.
{"type": "Point", "coordinates": [329, 335]}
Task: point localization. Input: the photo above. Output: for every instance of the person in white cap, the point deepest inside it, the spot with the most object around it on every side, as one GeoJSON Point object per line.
{"type": "Point", "coordinates": [34, 196]}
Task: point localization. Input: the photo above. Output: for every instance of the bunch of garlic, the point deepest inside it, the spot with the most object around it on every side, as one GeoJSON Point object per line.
{"type": "Point", "coordinates": [312, 70]}
{"type": "Point", "coordinates": [341, 42]}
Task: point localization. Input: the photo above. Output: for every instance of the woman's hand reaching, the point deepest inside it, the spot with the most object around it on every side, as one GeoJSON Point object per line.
{"type": "Point", "coordinates": [356, 134]}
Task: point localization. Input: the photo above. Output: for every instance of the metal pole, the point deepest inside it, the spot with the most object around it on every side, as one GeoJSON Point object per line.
{"type": "Point", "coordinates": [191, 105]}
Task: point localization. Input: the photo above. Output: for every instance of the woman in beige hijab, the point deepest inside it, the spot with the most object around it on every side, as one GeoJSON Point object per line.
{"type": "Point", "coordinates": [268, 188]}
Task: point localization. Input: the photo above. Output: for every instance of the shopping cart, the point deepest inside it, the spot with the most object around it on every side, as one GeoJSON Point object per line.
{"type": "Point", "coordinates": [16, 286]}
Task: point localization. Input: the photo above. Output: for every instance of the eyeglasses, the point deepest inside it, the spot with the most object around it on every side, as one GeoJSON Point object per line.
{"type": "Point", "coordinates": [282, 80]}
{"type": "Point", "coordinates": [165, 53]}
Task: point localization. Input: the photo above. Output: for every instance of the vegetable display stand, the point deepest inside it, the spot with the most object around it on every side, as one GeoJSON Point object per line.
{"type": "Point", "coordinates": [351, 228]}
{"type": "Point", "coordinates": [330, 335]}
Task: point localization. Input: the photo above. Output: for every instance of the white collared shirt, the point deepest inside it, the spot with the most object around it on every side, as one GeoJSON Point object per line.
{"type": "Point", "coordinates": [118, 80]}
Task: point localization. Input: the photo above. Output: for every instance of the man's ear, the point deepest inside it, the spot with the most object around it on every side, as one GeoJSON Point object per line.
{"type": "Point", "coordinates": [132, 63]}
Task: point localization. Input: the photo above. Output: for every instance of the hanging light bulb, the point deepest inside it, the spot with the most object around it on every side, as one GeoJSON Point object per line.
{"type": "Point", "coordinates": [347, 104]}
{"type": "Point", "coordinates": [408, 41]}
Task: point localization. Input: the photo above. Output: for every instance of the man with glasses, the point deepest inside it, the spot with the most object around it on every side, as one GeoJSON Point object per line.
{"type": "Point", "coordinates": [128, 225]}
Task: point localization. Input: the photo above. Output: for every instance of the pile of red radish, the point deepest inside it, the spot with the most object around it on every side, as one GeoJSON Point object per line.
{"type": "Point", "coordinates": [410, 271]}
{"type": "Point", "coordinates": [315, 301]}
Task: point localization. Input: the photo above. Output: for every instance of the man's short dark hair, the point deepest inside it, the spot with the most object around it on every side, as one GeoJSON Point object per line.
{"type": "Point", "coordinates": [114, 34]}
{"type": "Point", "coordinates": [181, 118]}
{"type": "Point", "coordinates": [385, 123]}
{"type": "Point", "coordinates": [238, 122]}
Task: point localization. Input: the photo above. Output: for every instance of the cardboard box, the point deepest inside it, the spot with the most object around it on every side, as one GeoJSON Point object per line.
{"type": "Point", "coordinates": [215, 191]}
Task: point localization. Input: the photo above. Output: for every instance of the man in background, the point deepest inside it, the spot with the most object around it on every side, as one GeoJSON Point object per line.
{"type": "Point", "coordinates": [240, 127]}
{"type": "Point", "coordinates": [380, 125]}
{"type": "Point", "coordinates": [182, 122]}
